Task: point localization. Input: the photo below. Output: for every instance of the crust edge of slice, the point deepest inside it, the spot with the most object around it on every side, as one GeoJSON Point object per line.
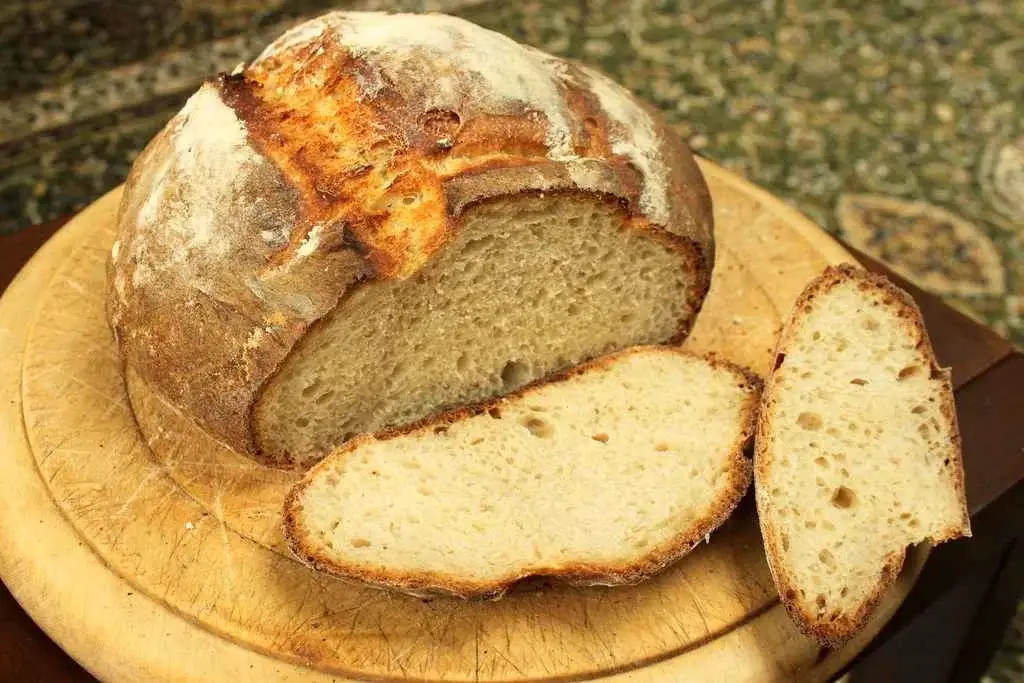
{"type": "Point", "coordinates": [836, 633]}
{"type": "Point", "coordinates": [427, 584]}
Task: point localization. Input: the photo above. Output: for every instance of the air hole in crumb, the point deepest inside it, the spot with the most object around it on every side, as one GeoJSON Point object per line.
{"type": "Point", "coordinates": [602, 437]}
{"type": "Point", "coordinates": [477, 441]}
{"type": "Point", "coordinates": [820, 601]}
{"type": "Point", "coordinates": [917, 410]}
{"type": "Point", "coordinates": [538, 427]}
{"type": "Point", "coordinates": [302, 422]}
{"type": "Point", "coordinates": [514, 374]}
{"type": "Point", "coordinates": [869, 324]}
{"type": "Point", "coordinates": [913, 524]}
{"type": "Point", "coordinates": [826, 557]}
{"type": "Point", "coordinates": [409, 200]}
{"type": "Point", "coordinates": [809, 421]}
{"type": "Point", "coordinates": [779, 360]}
{"type": "Point", "coordinates": [425, 490]}
{"type": "Point", "coordinates": [495, 413]}
{"type": "Point", "coordinates": [843, 498]}
{"type": "Point", "coordinates": [816, 336]}
{"type": "Point", "coordinates": [810, 524]}
{"type": "Point", "coordinates": [661, 447]}
{"type": "Point", "coordinates": [324, 397]}
{"type": "Point", "coordinates": [945, 463]}
{"type": "Point", "coordinates": [908, 372]}
{"type": "Point", "coordinates": [462, 364]}
{"type": "Point", "coordinates": [821, 462]}
{"type": "Point", "coordinates": [360, 543]}
{"type": "Point", "coordinates": [538, 409]}
{"type": "Point", "coordinates": [922, 429]}
{"type": "Point", "coordinates": [843, 592]}
{"type": "Point", "coordinates": [785, 542]}
{"type": "Point", "coordinates": [858, 381]}
{"type": "Point", "coordinates": [443, 429]}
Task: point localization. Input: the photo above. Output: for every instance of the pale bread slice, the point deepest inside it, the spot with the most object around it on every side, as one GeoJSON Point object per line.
{"type": "Point", "coordinates": [604, 476]}
{"type": "Point", "coordinates": [857, 454]}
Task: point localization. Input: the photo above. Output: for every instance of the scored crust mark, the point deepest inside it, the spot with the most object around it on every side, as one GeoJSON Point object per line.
{"type": "Point", "coordinates": [829, 619]}
{"type": "Point", "coordinates": [302, 539]}
{"type": "Point", "coordinates": [349, 171]}
{"type": "Point", "coordinates": [385, 151]}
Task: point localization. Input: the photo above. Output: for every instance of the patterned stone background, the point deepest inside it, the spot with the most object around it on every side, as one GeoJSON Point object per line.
{"type": "Point", "coordinates": [893, 124]}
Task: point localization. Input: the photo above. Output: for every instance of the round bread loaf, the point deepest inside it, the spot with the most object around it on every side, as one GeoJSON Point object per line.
{"type": "Point", "coordinates": [385, 215]}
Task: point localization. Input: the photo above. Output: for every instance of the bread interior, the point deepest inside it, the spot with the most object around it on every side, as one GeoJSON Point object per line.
{"type": "Point", "coordinates": [528, 286]}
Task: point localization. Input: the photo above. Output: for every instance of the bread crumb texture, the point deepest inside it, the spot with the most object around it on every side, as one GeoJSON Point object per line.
{"type": "Point", "coordinates": [526, 289]}
{"type": "Point", "coordinates": [604, 477]}
{"type": "Point", "coordinates": [858, 455]}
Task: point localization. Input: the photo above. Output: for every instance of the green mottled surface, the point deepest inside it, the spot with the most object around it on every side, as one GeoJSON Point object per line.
{"type": "Point", "coordinates": [895, 125]}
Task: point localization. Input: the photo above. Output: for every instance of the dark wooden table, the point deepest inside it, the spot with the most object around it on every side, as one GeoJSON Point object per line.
{"type": "Point", "coordinates": [949, 625]}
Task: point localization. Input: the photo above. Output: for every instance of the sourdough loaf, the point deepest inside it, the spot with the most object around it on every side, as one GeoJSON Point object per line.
{"type": "Point", "coordinates": [857, 453]}
{"type": "Point", "coordinates": [384, 215]}
{"type": "Point", "coordinates": [602, 477]}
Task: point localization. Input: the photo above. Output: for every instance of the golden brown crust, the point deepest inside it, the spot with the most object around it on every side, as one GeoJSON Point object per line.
{"type": "Point", "coordinates": [344, 172]}
{"type": "Point", "coordinates": [834, 633]}
{"type": "Point", "coordinates": [429, 583]}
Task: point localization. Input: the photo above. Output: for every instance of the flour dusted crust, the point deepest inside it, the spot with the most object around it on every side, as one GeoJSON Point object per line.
{"type": "Point", "coordinates": [347, 152]}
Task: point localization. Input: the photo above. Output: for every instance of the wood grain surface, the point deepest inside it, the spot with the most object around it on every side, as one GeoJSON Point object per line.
{"type": "Point", "coordinates": [163, 561]}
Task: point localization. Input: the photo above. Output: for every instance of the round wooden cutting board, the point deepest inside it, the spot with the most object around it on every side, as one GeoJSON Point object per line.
{"type": "Point", "coordinates": [150, 552]}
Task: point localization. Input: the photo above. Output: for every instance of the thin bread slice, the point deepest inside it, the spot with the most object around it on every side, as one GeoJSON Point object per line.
{"type": "Point", "coordinates": [603, 476]}
{"type": "Point", "coordinates": [857, 454]}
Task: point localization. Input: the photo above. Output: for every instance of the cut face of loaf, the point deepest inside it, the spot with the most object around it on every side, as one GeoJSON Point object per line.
{"type": "Point", "coordinates": [603, 477]}
{"type": "Point", "coordinates": [528, 287]}
{"type": "Point", "coordinates": [857, 454]}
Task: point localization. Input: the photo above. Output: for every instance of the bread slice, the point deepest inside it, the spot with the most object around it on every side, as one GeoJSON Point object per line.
{"type": "Point", "coordinates": [857, 451]}
{"type": "Point", "coordinates": [604, 476]}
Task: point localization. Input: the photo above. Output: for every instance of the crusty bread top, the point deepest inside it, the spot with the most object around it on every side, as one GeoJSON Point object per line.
{"type": "Point", "coordinates": [346, 152]}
